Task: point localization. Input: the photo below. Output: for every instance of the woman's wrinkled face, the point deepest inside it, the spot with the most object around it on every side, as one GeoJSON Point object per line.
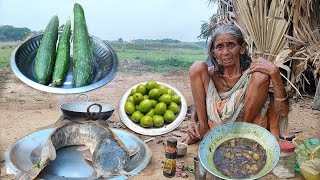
{"type": "Point", "coordinates": [227, 50]}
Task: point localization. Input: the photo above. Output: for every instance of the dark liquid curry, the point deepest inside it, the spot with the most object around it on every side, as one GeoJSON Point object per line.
{"type": "Point", "coordinates": [239, 158]}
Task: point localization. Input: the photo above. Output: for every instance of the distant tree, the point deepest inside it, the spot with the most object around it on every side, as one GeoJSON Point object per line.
{"type": "Point", "coordinates": [156, 41]}
{"type": "Point", "coordinates": [120, 40]}
{"type": "Point", "coordinates": [169, 41]}
{"type": "Point", "coordinates": [207, 28]}
{"type": "Point", "coordinates": [10, 33]}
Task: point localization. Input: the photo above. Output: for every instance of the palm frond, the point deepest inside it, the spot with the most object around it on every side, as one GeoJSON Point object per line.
{"type": "Point", "coordinates": [266, 25]}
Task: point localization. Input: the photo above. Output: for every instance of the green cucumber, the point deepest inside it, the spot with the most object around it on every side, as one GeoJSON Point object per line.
{"type": "Point", "coordinates": [63, 55]}
{"type": "Point", "coordinates": [45, 57]}
{"type": "Point", "coordinates": [82, 52]}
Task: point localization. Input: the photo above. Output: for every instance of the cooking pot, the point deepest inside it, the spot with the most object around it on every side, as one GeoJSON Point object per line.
{"type": "Point", "coordinates": [86, 110]}
{"type": "Point", "coordinates": [225, 132]}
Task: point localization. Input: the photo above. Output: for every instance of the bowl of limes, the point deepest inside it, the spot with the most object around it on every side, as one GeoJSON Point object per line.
{"type": "Point", "coordinates": [152, 108]}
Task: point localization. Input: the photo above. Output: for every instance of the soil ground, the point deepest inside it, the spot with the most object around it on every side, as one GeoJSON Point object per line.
{"type": "Point", "coordinates": [24, 110]}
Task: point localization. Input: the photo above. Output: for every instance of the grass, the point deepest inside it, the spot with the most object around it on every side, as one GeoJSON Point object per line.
{"type": "Point", "coordinates": [6, 49]}
{"type": "Point", "coordinates": [161, 57]}
{"type": "Point", "coordinates": [158, 57]}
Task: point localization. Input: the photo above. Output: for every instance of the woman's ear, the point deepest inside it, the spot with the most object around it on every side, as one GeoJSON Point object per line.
{"type": "Point", "coordinates": [243, 48]}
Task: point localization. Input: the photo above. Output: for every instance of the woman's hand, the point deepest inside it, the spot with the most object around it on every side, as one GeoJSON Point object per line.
{"type": "Point", "coordinates": [281, 99]}
{"type": "Point", "coordinates": [264, 66]}
{"type": "Point", "coordinates": [193, 134]}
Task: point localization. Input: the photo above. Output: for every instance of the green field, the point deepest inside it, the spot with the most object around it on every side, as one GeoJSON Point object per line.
{"type": "Point", "coordinates": [6, 49]}
{"type": "Point", "coordinates": [157, 56]}
{"type": "Point", "coordinates": [160, 57]}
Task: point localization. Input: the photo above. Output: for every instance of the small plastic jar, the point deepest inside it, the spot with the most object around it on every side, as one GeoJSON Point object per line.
{"type": "Point", "coordinates": [285, 167]}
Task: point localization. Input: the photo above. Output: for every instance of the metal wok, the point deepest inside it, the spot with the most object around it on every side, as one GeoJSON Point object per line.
{"type": "Point", "coordinates": [238, 130]}
{"type": "Point", "coordinates": [86, 110]}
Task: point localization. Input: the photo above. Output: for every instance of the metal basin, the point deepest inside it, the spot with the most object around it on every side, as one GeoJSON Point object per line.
{"type": "Point", "coordinates": [225, 132]}
{"type": "Point", "coordinates": [152, 131]}
{"type": "Point", "coordinates": [105, 66]}
{"type": "Point", "coordinates": [70, 163]}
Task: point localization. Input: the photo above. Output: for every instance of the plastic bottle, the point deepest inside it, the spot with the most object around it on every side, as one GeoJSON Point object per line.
{"type": "Point", "coordinates": [285, 166]}
{"type": "Point", "coordinates": [169, 168]}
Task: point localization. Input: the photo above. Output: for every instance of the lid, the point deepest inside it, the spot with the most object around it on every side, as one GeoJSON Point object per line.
{"type": "Point", "coordinates": [286, 146]}
{"type": "Point", "coordinates": [172, 142]}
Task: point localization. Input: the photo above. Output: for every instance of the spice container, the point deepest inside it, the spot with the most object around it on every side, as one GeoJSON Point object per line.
{"type": "Point", "coordinates": [169, 168]}
{"type": "Point", "coordinates": [285, 166]}
{"type": "Point", "coordinates": [182, 149]}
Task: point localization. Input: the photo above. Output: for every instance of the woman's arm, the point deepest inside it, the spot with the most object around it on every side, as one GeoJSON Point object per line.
{"type": "Point", "coordinates": [281, 102]}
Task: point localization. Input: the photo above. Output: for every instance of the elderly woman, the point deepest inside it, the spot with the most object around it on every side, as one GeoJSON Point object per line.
{"type": "Point", "coordinates": [235, 88]}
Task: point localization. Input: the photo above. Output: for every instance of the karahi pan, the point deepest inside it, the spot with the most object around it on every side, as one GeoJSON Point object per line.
{"type": "Point", "coordinates": [80, 110]}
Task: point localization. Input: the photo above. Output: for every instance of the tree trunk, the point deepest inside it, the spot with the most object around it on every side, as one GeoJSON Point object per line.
{"type": "Point", "coordinates": [316, 99]}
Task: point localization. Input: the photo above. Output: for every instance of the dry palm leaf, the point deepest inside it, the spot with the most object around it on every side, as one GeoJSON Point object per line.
{"type": "Point", "coordinates": [265, 24]}
{"type": "Point", "coordinates": [306, 35]}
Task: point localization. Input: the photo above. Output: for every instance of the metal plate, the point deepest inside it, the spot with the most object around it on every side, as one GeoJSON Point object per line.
{"type": "Point", "coordinates": [152, 131]}
{"type": "Point", "coordinates": [225, 132]}
{"type": "Point", "coordinates": [69, 162]}
{"type": "Point", "coordinates": [104, 68]}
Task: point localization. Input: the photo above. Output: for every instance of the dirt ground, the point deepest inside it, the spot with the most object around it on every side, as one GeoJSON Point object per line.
{"type": "Point", "coordinates": [24, 110]}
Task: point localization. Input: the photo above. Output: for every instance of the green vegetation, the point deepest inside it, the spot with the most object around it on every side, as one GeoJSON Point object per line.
{"type": "Point", "coordinates": [6, 49]}
{"type": "Point", "coordinates": [159, 56]}
{"type": "Point", "coordinates": [10, 33]}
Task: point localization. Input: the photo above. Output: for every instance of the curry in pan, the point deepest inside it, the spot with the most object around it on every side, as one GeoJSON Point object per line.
{"type": "Point", "coordinates": [239, 158]}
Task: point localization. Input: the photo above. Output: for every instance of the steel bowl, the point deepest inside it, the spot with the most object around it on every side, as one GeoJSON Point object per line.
{"type": "Point", "coordinates": [222, 133]}
{"type": "Point", "coordinates": [152, 131]}
{"type": "Point", "coordinates": [105, 66]}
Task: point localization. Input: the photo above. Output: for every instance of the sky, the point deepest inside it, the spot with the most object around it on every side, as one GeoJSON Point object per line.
{"type": "Point", "coordinates": [114, 19]}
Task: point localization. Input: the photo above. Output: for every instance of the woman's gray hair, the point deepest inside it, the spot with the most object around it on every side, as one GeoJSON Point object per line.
{"type": "Point", "coordinates": [245, 59]}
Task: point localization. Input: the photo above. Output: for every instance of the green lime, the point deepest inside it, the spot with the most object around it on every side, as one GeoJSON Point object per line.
{"type": "Point", "coordinates": [154, 93]}
{"type": "Point", "coordinates": [136, 116]}
{"type": "Point", "coordinates": [146, 121]}
{"type": "Point", "coordinates": [151, 84]}
{"type": "Point", "coordinates": [129, 107]}
{"type": "Point", "coordinates": [173, 107]}
{"type": "Point", "coordinates": [176, 98]}
{"type": "Point", "coordinates": [130, 99]}
{"type": "Point", "coordinates": [145, 97]}
{"type": "Point", "coordinates": [166, 98]}
{"type": "Point", "coordinates": [137, 97]}
{"type": "Point", "coordinates": [163, 89]}
{"type": "Point", "coordinates": [161, 108]}
{"type": "Point", "coordinates": [170, 92]}
{"type": "Point", "coordinates": [145, 106]}
{"type": "Point", "coordinates": [158, 121]}
{"type": "Point", "coordinates": [151, 113]}
{"type": "Point", "coordinates": [137, 107]}
{"type": "Point", "coordinates": [168, 116]}
{"type": "Point", "coordinates": [133, 91]}
{"type": "Point", "coordinates": [141, 89]}
{"type": "Point", "coordinates": [154, 102]}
